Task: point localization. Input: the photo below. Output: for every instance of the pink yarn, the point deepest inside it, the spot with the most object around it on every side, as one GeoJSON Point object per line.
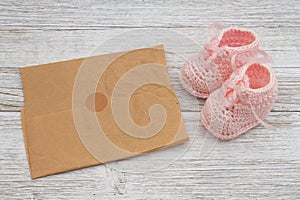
{"type": "Point", "coordinates": [239, 88]}
{"type": "Point", "coordinates": [242, 102]}
{"type": "Point", "coordinates": [213, 65]}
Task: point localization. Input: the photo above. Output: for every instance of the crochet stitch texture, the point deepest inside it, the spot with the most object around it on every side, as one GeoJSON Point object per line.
{"type": "Point", "coordinates": [241, 103]}
{"type": "Point", "coordinates": [207, 71]}
{"type": "Point", "coordinates": [229, 71]}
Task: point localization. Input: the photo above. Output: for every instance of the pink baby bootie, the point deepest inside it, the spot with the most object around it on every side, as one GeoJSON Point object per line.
{"type": "Point", "coordinates": [213, 65]}
{"type": "Point", "coordinates": [242, 102]}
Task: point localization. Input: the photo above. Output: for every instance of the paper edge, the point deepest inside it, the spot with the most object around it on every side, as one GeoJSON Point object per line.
{"type": "Point", "coordinates": [184, 138]}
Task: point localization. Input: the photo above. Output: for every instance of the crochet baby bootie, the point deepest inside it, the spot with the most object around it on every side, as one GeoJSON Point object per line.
{"type": "Point", "coordinates": [242, 102]}
{"type": "Point", "coordinates": [207, 71]}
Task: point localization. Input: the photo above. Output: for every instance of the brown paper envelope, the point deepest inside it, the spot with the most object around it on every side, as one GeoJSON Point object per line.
{"type": "Point", "coordinates": [88, 111]}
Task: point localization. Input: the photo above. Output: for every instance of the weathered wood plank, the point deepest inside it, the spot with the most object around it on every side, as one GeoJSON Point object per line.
{"type": "Point", "coordinates": [24, 47]}
{"type": "Point", "coordinates": [11, 94]}
{"type": "Point", "coordinates": [91, 14]}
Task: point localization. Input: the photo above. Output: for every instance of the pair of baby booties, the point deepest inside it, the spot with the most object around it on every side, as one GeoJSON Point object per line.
{"type": "Point", "coordinates": [231, 72]}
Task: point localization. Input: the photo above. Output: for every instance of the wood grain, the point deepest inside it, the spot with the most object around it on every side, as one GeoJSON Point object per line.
{"type": "Point", "coordinates": [258, 165]}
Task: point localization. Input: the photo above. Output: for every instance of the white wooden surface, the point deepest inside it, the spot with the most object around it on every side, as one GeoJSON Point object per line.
{"type": "Point", "coordinates": [258, 165]}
